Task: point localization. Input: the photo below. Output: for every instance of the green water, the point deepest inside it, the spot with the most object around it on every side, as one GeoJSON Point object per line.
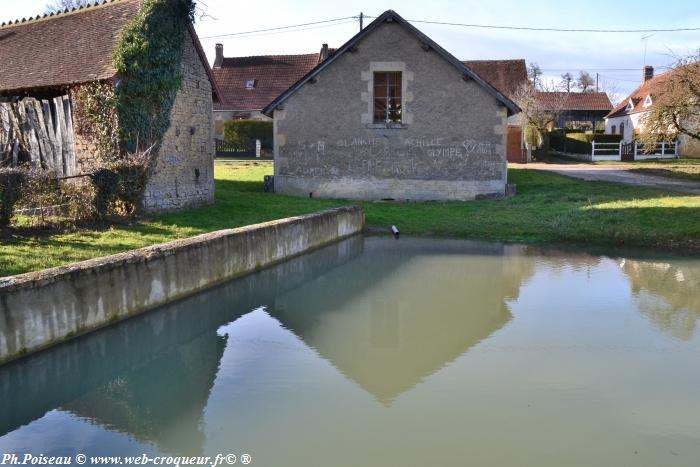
{"type": "Point", "coordinates": [377, 352]}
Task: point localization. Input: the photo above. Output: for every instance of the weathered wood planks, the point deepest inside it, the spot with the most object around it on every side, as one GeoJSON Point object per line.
{"type": "Point", "coordinates": [41, 130]}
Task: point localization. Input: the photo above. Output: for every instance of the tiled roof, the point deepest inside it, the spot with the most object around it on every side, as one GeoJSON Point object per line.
{"type": "Point", "coordinates": [505, 75]}
{"type": "Point", "coordinates": [65, 48]}
{"type": "Point", "coordinates": [273, 74]}
{"type": "Point", "coordinates": [576, 100]}
{"type": "Point", "coordinates": [639, 95]}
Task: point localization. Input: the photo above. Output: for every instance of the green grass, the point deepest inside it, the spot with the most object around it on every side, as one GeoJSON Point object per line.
{"type": "Point", "coordinates": [548, 208]}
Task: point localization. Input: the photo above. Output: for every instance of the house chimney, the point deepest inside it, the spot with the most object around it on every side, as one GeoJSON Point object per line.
{"type": "Point", "coordinates": [219, 60]}
{"type": "Point", "coordinates": [648, 72]}
{"type": "Point", "coordinates": [324, 53]}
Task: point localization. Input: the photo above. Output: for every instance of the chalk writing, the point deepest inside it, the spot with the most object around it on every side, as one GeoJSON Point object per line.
{"type": "Point", "coordinates": [396, 157]}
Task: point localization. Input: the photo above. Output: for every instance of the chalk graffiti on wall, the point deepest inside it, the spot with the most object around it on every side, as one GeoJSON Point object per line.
{"type": "Point", "coordinates": [411, 157]}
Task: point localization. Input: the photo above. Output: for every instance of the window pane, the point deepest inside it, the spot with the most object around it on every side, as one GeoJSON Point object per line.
{"type": "Point", "coordinates": [394, 78]}
{"type": "Point", "coordinates": [379, 110]}
{"type": "Point", "coordinates": [379, 78]}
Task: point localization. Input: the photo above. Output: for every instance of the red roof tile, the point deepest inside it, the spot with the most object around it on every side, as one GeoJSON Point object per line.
{"type": "Point", "coordinates": [65, 48]}
{"type": "Point", "coordinates": [273, 74]}
{"type": "Point", "coordinates": [576, 100]}
{"type": "Point", "coordinates": [505, 75]}
{"type": "Point", "coordinates": [639, 95]}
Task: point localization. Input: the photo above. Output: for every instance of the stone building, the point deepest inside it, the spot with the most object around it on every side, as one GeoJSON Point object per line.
{"type": "Point", "coordinates": [45, 61]}
{"type": "Point", "coordinates": [391, 115]}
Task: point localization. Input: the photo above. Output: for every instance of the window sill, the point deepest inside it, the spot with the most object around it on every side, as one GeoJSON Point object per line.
{"type": "Point", "coordinates": [386, 126]}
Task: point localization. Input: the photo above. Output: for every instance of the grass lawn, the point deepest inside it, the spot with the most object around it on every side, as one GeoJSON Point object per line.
{"type": "Point", "coordinates": [548, 208]}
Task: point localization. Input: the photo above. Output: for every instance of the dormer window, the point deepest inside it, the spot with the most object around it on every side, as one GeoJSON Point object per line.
{"type": "Point", "coordinates": [250, 83]}
{"type": "Point", "coordinates": [647, 101]}
{"type": "Point", "coordinates": [630, 105]}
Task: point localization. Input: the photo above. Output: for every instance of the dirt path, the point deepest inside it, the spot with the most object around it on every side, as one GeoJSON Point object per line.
{"type": "Point", "coordinates": [618, 174]}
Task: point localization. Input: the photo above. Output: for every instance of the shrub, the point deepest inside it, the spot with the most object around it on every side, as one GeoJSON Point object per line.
{"type": "Point", "coordinates": [11, 181]}
{"type": "Point", "coordinates": [120, 186]}
{"type": "Point", "coordinates": [242, 131]}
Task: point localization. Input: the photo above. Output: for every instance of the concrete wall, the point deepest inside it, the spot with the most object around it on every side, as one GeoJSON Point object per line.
{"type": "Point", "coordinates": [184, 172]}
{"type": "Point", "coordinates": [41, 309]}
{"type": "Point", "coordinates": [451, 143]}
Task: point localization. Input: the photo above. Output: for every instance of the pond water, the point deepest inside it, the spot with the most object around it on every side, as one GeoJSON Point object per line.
{"type": "Point", "coordinates": [383, 352]}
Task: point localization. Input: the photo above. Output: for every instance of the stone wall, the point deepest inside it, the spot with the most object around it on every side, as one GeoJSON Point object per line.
{"type": "Point", "coordinates": [451, 143]}
{"type": "Point", "coordinates": [184, 172]}
{"type": "Point", "coordinates": [99, 292]}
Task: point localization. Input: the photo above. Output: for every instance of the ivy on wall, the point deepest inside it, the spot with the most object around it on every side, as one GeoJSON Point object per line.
{"type": "Point", "coordinates": [148, 59]}
{"type": "Point", "coordinates": [133, 113]}
{"type": "Point", "coordinates": [95, 116]}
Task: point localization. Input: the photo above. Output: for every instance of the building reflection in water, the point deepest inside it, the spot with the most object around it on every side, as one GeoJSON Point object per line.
{"type": "Point", "coordinates": [667, 294]}
{"type": "Point", "coordinates": [386, 314]}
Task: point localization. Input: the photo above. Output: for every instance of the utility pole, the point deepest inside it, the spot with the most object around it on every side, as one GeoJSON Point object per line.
{"type": "Point", "coordinates": [596, 82]}
{"type": "Point", "coordinates": [361, 18]}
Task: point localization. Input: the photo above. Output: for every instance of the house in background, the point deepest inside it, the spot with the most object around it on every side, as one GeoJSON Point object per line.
{"type": "Point", "coordinates": [391, 115]}
{"type": "Point", "coordinates": [578, 109]}
{"type": "Point", "coordinates": [46, 59]}
{"type": "Point", "coordinates": [248, 84]}
{"type": "Point", "coordinates": [627, 118]}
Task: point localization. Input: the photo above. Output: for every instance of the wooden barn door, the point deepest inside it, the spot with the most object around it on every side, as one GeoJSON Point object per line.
{"type": "Point", "coordinates": [514, 150]}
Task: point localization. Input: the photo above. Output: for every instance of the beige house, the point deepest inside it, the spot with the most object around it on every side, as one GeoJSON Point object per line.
{"type": "Point", "coordinates": [391, 115]}
{"type": "Point", "coordinates": [45, 60]}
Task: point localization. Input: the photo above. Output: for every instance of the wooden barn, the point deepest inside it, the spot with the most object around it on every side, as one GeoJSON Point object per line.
{"type": "Point", "coordinates": [47, 60]}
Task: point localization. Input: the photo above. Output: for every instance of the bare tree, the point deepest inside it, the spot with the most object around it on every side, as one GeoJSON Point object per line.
{"type": "Point", "coordinates": [62, 5]}
{"type": "Point", "coordinates": [614, 91]}
{"type": "Point", "coordinates": [540, 111]}
{"type": "Point", "coordinates": [585, 81]}
{"type": "Point", "coordinates": [566, 80]}
{"type": "Point", "coordinates": [534, 72]}
{"type": "Point", "coordinates": [675, 104]}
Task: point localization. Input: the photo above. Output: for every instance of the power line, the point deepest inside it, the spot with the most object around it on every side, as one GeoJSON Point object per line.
{"type": "Point", "coordinates": [288, 30]}
{"type": "Point", "coordinates": [526, 28]}
{"type": "Point", "coordinates": [280, 27]}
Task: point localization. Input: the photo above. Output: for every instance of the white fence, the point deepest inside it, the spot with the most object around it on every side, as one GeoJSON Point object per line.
{"type": "Point", "coordinates": [633, 151]}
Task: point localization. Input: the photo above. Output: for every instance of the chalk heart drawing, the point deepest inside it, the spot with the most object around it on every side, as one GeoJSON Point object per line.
{"type": "Point", "coordinates": [478, 147]}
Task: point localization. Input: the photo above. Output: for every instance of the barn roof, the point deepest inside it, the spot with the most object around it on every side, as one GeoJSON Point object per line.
{"type": "Point", "coordinates": [576, 100]}
{"type": "Point", "coordinates": [273, 74]}
{"type": "Point", "coordinates": [505, 75]}
{"type": "Point", "coordinates": [391, 15]}
{"type": "Point", "coordinates": [71, 47]}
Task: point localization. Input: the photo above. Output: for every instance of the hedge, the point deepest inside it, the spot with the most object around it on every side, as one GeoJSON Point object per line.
{"type": "Point", "coordinates": [579, 143]}
{"type": "Point", "coordinates": [242, 131]}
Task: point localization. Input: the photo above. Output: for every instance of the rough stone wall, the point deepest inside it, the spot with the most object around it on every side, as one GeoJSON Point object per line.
{"type": "Point", "coordinates": [451, 143]}
{"type": "Point", "coordinates": [86, 160]}
{"type": "Point", "coordinates": [184, 172]}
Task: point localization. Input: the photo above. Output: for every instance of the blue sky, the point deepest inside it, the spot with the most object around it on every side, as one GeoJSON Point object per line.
{"type": "Point", "coordinates": [618, 58]}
